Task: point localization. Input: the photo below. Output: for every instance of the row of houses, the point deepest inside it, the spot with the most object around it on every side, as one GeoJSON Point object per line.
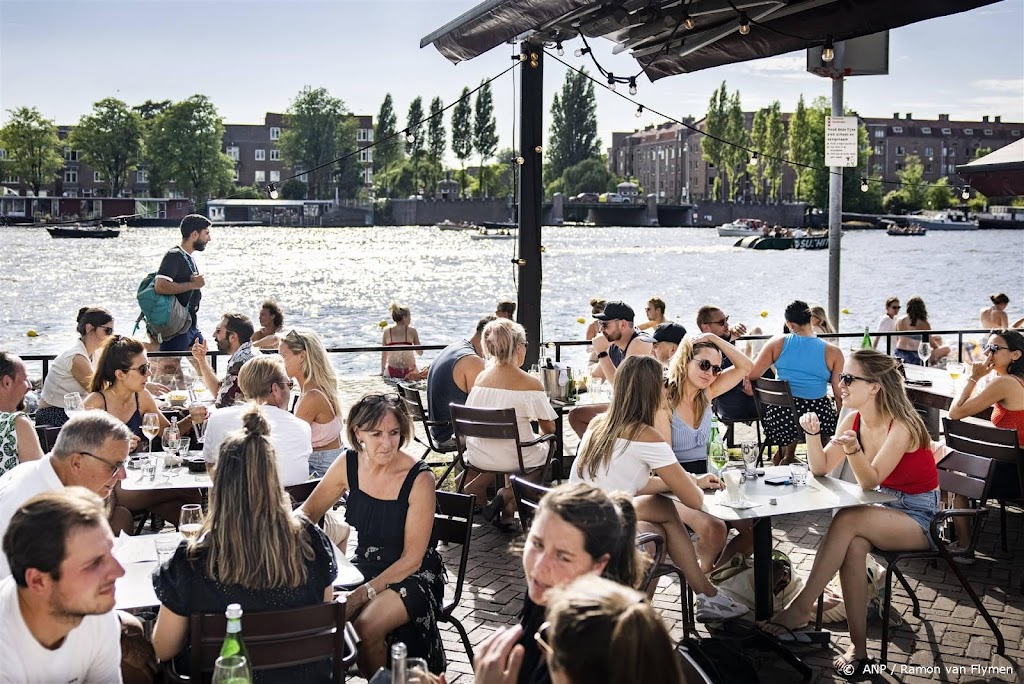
{"type": "Point", "coordinates": [666, 159]}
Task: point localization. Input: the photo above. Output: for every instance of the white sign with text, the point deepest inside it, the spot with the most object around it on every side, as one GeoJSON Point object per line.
{"type": "Point", "coordinates": [840, 141]}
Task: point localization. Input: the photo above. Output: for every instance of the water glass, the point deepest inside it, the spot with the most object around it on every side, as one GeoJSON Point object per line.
{"type": "Point", "coordinates": [183, 444]}
{"type": "Point", "coordinates": [72, 403]}
{"type": "Point", "coordinates": [200, 430]}
{"type": "Point", "coordinates": [231, 670]}
{"type": "Point", "coordinates": [169, 442]}
{"type": "Point", "coordinates": [925, 351]}
{"type": "Point", "coordinates": [166, 543]}
{"type": "Point", "coordinates": [749, 450]}
{"type": "Point", "coordinates": [191, 521]}
{"type": "Point", "coordinates": [415, 669]}
{"type": "Point", "coordinates": [149, 468]}
{"type": "Point", "coordinates": [798, 471]}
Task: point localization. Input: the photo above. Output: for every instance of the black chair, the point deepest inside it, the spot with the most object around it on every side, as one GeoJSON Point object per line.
{"type": "Point", "coordinates": [275, 639]}
{"type": "Point", "coordinates": [1001, 446]}
{"type": "Point", "coordinates": [527, 496]}
{"type": "Point", "coordinates": [972, 477]}
{"type": "Point", "coordinates": [300, 492]}
{"type": "Point", "coordinates": [453, 524]}
{"type": "Point", "coordinates": [47, 436]}
{"type": "Point", "coordinates": [768, 392]}
{"type": "Point", "coordinates": [414, 405]}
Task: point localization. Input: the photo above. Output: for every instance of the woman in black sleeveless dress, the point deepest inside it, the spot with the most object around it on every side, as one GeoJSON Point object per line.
{"type": "Point", "coordinates": [391, 506]}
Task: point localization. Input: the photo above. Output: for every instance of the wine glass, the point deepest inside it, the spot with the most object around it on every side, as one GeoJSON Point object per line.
{"type": "Point", "coordinates": [72, 403]}
{"type": "Point", "coordinates": [925, 351]}
{"type": "Point", "coordinates": [955, 370]}
{"type": "Point", "coordinates": [718, 459]}
{"type": "Point", "coordinates": [191, 521]}
{"type": "Point", "coordinates": [231, 670]}
{"type": "Point", "coordinates": [151, 427]}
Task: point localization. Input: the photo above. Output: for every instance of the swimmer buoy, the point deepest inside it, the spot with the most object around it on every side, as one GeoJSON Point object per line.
{"type": "Point", "coordinates": [32, 333]}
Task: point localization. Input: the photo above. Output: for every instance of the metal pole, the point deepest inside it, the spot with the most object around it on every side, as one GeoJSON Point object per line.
{"type": "Point", "coordinates": [835, 216]}
{"type": "Point", "coordinates": [531, 196]}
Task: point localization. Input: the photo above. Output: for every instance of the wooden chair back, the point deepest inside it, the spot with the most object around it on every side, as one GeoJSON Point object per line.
{"type": "Point", "coordinates": [527, 495]}
{"type": "Point", "coordinates": [494, 424]}
{"type": "Point", "coordinates": [414, 405]}
{"type": "Point", "coordinates": [768, 392]}
{"type": "Point", "coordinates": [966, 474]}
{"type": "Point", "coordinates": [277, 639]}
{"type": "Point", "coordinates": [302, 491]}
{"type": "Point", "coordinates": [47, 436]}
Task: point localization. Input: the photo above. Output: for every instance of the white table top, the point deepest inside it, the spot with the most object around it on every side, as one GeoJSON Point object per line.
{"type": "Point", "coordinates": [179, 477]}
{"type": "Point", "coordinates": [138, 556]}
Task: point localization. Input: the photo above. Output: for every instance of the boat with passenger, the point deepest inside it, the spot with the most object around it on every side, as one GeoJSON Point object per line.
{"type": "Point", "coordinates": [744, 227]}
{"type": "Point", "coordinates": [462, 225]}
{"type": "Point", "coordinates": [944, 220]}
{"type": "Point", "coordinates": [909, 230]}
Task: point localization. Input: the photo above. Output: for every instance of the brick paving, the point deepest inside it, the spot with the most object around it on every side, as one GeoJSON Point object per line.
{"type": "Point", "coordinates": [950, 642]}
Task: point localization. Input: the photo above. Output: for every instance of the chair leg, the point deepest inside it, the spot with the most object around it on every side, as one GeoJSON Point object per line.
{"type": "Point", "coordinates": [1002, 523]}
{"type": "Point", "coordinates": [1000, 644]}
{"type": "Point", "coordinates": [819, 614]}
{"type": "Point", "coordinates": [462, 635]}
{"type": "Point", "coordinates": [910, 592]}
{"type": "Point", "coordinates": [886, 606]}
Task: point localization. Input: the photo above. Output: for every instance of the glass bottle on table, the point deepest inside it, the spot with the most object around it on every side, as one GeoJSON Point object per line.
{"type": "Point", "coordinates": [232, 670]}
{"type": "Point", "coordinates": [398, 670]}
{"type": "Point", "coordinates": [715, 449]}
{"type": "Point", "coordinates": [865, 342]}
{"type": "Point", "coordinates": [233, 644]}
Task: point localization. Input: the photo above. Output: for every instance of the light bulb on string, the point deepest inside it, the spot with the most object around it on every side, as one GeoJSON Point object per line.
{"type": "Point", "coordinates": [272, 191]}
{"type": "Point", "coordinates": [639, 111]}
{"type": "Point", "coordinates": [744, 24]}
{"type": "Point", "coordinates": [827, 52]}
{"type": "Point", "coordinates": [611, 81]}
{"type": "Point", "coordinates": [581, 51]}
{"type": "Point", "coordinates": [966, 194]}
{"type": "Point", "coordinates": [753, 158]}
{"type": "Point", "coordinates": [520, 160]}
{"type": "Point", "coordinates": [688, 23]}
{"type": "Point", "coordinates": [632, 85]}
{"type": "Point", "coordinates": [863, 184]}
{"type": "Point", "coordinates": [559, 49]}
{"type": "Point", "coordinates": [410, 137]}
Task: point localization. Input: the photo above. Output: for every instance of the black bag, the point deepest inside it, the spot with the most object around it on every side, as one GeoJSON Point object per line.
{"type": "Point", "coordinates": [720, 659]}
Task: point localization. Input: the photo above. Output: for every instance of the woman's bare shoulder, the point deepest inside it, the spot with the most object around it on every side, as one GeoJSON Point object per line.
{"type": "Point", "coordinates": [649, 435]}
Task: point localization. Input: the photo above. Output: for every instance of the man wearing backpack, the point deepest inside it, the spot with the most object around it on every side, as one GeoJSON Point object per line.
{"type": "Point", "coordinates": [179, 276]}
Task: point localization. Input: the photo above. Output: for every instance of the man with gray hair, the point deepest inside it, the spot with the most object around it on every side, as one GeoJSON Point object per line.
{"type": "Point", "coordinates": [91, 451]}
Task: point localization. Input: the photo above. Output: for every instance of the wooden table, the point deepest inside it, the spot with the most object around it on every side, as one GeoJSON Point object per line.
{"type": "Point", "coordinates": [138, 556]}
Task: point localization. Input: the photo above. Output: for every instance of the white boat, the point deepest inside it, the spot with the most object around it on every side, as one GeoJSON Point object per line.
{"type": "Point", "coordinates": [448, 225]}
{"type": "Point", "coordinates": [495, 234]}
{"type": "Point", "coordinates": [945, 221]}
{"type": "Point", "coordinates": [744, 227]}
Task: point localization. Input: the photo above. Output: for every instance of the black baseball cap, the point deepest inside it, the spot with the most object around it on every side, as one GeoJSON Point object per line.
{"type": "Point", "coordinates": [616, 311]}
{"type": "Point", "coordinates": [673, 333]}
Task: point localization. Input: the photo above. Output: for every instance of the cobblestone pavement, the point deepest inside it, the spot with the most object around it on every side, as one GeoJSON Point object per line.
{"type": "Point", "coordinates": [950, 642]}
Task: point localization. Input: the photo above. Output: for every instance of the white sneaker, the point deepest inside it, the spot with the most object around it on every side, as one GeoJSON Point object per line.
{"type": "Point", "coordinates": [717, 608]}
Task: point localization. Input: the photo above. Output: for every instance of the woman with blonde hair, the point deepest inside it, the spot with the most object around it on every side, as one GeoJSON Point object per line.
{"type": "Point", "coordinates": [821, 324]}
{"type": "Point", "coordinates": [618, 452]}
{"type": "Point", "coordinates": [251, 550]}
{"type": "Point", "coordinates": [398, 364]}
{"type": "Point", "coordinates": [888, 447]}
{"type": "Point", "coordinates": [305, 359]}
{"type": "Point", "coordinates": [502, 385]}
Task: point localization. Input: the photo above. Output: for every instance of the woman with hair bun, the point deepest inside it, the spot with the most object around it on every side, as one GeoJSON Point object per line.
{"type": "Point", "coordinates": [72, 370]}
{"type": "Point", "coordinates": [251, 550]}
{"type": "Point", "coordinates": [398, 364]}
{"type": "Point", "coordinates": [907, 346]}
{"type": "Point", "coordinates": [504, 384]}
{"type": "Point", "coordinates": [994, 317]}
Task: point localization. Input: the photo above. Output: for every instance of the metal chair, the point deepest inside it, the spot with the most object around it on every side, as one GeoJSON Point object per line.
{"type": "Point", "coordinates": [47, 436]}
{"type": "Point", "coordinates": [302, 491]}
{"type": "Point", "coordinates": [499, 424]}
{"type": "Point", "coordinates": [453, 524]}
{"type": "Point", "coordinates": [1001, 446]}
{"type": "Point", "coordinates": [275, 639]}
{"type": "Point", "coordinates": [960, 473]}
{"type": "Point", "coordinates": [414, 405]}
{"type": "Point", "coordinates": [768, 392]}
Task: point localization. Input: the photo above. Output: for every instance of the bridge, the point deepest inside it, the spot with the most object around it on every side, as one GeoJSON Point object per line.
{"type": "Point", "coordinates": [642, 211]}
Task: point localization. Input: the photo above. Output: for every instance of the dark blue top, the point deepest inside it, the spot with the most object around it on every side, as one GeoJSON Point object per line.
{"type": "Point", "coordinates": [442, 390]}
{"type": "Point", "coordinates": [617, 355]}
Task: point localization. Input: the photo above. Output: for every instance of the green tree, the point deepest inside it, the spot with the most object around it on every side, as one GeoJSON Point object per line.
{"type": "Point", "coordinates": [185, 141]}
{"type": "Point", "coordinates": [33, 148]}
{"type": "Point", "coordinates": [414, 143]}
{"type": "Point", "coordinates": [759, 140]}
{"type": "Point", "coordinates": [293, 189]}
{"type": "Point", "coordinates": [913, 187]}
{"type": "Point", "coordinates": [734, 157]}
{"type": "Point", "coordinates": [110, 141]}
{"type": "Point", "coordinates": [156, 176]}
{"type": "Point", "coordinates": [462, 134]}
{"type": "Point", "coordinates": [573, 136]}
{"type": "Point", "coordinates": [436, 144]}
{"type": "Point", "coordinates": [485, 130]}
{"type": "Point", "coordinates": [315, 134]}
{"type": "Point", "coordinates": [774, 149]}
{"type": "Point", "coordinates": [388, 147]}
{"type": "Point", "coordinates": [348, 172]}
{"type": "Point", "coordinates": [589, 175]}
{"type": "Point", "coordinates": [801, 145]}
{"type": "Point", "coordinates": [711, 145]}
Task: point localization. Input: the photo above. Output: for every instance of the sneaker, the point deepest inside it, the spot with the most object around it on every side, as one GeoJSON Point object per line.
{"type": "Point", "coordinates": [963, 558]}
{"type": "Point", "coordinates": [717, 608]}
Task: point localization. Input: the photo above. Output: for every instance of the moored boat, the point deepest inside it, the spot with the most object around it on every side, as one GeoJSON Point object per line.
{"type": "Point", "coordinates": [744, 227]}
{"type": "Point", "coordinates": [78, 231]}
{"type": "Point", "coordinates": [449, 225]}
{"type": "Point", "coordinates": [801, 242]}
{"type": "Point", "coordinates": [945, 221]}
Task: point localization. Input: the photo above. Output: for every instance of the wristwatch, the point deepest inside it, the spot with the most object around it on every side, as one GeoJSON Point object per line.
{"type": "Point", "coordinates": [602, 355]}
{"type": "Point", "coordinates": [370, 593]}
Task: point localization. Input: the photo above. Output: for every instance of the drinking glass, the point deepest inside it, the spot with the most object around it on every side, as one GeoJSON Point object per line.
{"type": "Point", "coordinates": [72, 403]}
{"type": "Point", "coordinates": [191, 521]}
{"type": "Point", "coordinates": [231, 670]}
{"type": "Point", "coordinates": [151, 427]}
{"type": "Point", "coordinates": [925, 351]}
{"type": "Point", "coordinates": [183, 444]}
{"type": "Point", "coordinates": [955, 370]}
{"type": "Point", "coordinates": [166, 544]}
{"type": "Point", "coordinates": [200, 430]}
{"type": "Point", "coordinates": [415, 669]}
{"type": "Point", "coordinates": [718, 460]}
{"type": "Point", "coordinates": [749, 450]}
{"type": "Point", "coordinates": [798, 470]}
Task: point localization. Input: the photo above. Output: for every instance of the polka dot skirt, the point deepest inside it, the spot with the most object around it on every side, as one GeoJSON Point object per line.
{"type": "Point", "coordinates": [781, 426]}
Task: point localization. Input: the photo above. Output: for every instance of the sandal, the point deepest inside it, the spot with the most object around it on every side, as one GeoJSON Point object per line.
{"type": "Point", "coordinates": [856, 669]}
{"type": "Point", "coordinates": [787, 635]}
{"type": "Point", "coordinates": [494, 508]}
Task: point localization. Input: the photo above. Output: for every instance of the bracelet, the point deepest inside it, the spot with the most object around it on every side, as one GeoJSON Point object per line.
{"type": "Point", "coordinates": [851, 453]}
{"type": "Point", "coordinates": [972, 380]}
{"type": "Point", "coordinates": [812, 434]}
{"type": "Point", "coordinates": [370, 592]}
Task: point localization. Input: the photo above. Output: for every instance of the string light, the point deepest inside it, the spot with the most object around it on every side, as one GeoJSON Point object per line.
{"type": "Point", "coordinates": [688, 23]}
{"type": "Point", "coordinates": [272, 191]}
{"type": "Point", "coordinates": [744, 24]}
{"type": "Point", "coordinates": [410, 137]}
{"type": "Point", "coordinates": [520, 160]}
{"type": "Point", "coordinates": [639, 111]}
{"type": "Point", "coordinates": [863, 184]}
{"type": "Point", "coordinates": [827, 53]}
{"type": "Point", "coordinates": [582, 51]}
{"type": "Point", "coordinates": [966, 194]}
{"type": "Point", "coordinates": [559, 49]}
{"type": "Point", "coordinates": [611, 81]}
{"type": "Point", "coordinates": [632, 85]}
{"type": "Point", "coordinates": [753, 159]}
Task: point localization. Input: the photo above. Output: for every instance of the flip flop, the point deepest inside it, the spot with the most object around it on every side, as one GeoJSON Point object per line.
{"type": "Point", "coordinates": [494, 508]}
{"type": "Point", "coordinates": [787, 636]}
{"type": "Point", "coordinates": [856, 669]}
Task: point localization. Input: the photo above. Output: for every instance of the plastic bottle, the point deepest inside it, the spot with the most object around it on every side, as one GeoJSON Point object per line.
{"type": "Point", "coordinates": [865, 342]}
{"type": "Point", "coordinates": [398, 655]}
{"type": "Point", "coordinates": [233, 644]}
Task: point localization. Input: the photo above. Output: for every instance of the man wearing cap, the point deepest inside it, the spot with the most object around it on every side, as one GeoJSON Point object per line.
{"type": "Point", "coordinates": [738, 403]}
{"type": "Point", "coordinates": [617, 341]}
{"type": "Point", "coordinates": [178, 275]}
{"type": "Point", "coordinates": [667, 338]}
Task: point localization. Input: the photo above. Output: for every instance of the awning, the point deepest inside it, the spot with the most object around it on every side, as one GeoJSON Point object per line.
{"type": "Point", "coordinates": [1000, 174]}
{"type": "Point", "coordinates": [655, 33]}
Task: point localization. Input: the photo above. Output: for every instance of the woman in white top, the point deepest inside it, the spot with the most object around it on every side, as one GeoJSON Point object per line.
{"type": "Point", "coordinates": [72, 370]}
{"type": "Point", "coordinates": [618, 452]}
{"type": "Point", "coordinates": [501, 385]}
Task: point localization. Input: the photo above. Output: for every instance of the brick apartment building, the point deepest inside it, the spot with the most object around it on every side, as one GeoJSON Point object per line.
{"type": "Point", "coordinates": [666, 159]}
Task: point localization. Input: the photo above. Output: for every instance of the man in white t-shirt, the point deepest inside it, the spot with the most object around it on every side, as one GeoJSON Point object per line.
{"type": "Point", "coordinates": [888, 321]}
{"type": "Point", "coordinates": [263, 381]}
{"type": "Point", "coordinates": [90, 452]}
{"type": "Point", "coordinates": [57, 609]}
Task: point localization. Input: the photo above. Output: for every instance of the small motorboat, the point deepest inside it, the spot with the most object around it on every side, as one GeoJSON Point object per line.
{"type": "Point", "coordinates": [744, 227]}
{"type": "Point", "coordinates": [945, 221]}
{"type": "Point", "coordinates": [910, 230]}
{"type": "Point", "coordinates": [449, 225]}
{"type": "Point", "coordinates": [494, 234]}
{"type": "Point", "coordinates": [79, 231]}
{"type": "Point", "coordinates": [804, 241]}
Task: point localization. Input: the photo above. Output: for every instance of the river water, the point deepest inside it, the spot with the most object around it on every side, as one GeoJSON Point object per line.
{"type": "Point", "coordinates": [339, 281]}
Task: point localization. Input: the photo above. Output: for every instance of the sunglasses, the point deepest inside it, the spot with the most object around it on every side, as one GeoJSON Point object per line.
{"type": "Point", "coordinates": [109, 329]}
{"type": "Point", "coordinates": [721, 321]}
{"type": "Point", "coordinates": [895, 307]}
{"type": "Point", "coordinates": [294, 335]}
{"type": "Point", "coordinates": [847, 379]}
{"type": "Point", "coordinates": [143, 369]}
{"type": "Point", "coordinates": [391, 398]}
{"type": "Point", "coordinates": [992, 348]}
{"type": "Point", "coordinates": [114, 467]}
{"type": "Point", "coordinates": [604, 324]}
{"type": "Point", "coordinates": [706, 366]}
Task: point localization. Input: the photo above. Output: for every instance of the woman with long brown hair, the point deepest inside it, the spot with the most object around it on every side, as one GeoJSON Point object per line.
{"type": "Point", "coordinates": [251, 550]}
{"type": "Point", "coordinates": [888, 447]}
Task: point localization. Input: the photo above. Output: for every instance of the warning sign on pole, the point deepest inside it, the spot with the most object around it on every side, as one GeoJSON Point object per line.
{"type": "Point", "coordinates": [840, 141]}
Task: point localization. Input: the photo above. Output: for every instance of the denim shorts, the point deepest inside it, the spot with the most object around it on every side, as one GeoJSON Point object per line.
{"type": "Point", "coordinates": [320, 461]}
{"type": "Point", "coordinates": [921, 507]}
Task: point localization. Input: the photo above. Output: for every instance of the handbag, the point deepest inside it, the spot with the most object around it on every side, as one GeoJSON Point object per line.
{"type": "Point", "coordinates": [736, 579]}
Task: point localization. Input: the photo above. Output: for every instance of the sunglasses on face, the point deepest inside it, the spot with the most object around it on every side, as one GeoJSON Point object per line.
{"type": "Point", "coordinates": [721, 321]}
{"type": "Point", "coordinates": [706, 366]}
{"type": "Point", "coordinates": [895, 307]}
{"type": "Point", "coordinates": [142, 370]}
{"type": "Point", "coordinates": [992, 348]}
{"type": "Point", "coordinates": [109, 329]}
{"type": "Point", "coordinates": [604, 324]}
{"type": "Point", "coordinates": [847, 379]}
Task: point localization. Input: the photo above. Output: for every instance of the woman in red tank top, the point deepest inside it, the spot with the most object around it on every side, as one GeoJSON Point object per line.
{"type": "Point", "coordinates": [887, 446]}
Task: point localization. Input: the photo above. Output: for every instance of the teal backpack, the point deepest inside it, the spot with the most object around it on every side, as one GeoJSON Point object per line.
{"type": "Point", "coordinates": [164, 315]}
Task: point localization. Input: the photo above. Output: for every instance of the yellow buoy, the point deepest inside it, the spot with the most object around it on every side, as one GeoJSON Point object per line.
{"type": "Point", "coordinates": [581, 320]}
{"type": "Point", "coordinates": [845, 311]}
{"type": "Point", "coordinates": [383, 324]}
{"type": "Point", "coordinates": [764, 314]}
{"type": "Point", "coordinates": [32, 333]}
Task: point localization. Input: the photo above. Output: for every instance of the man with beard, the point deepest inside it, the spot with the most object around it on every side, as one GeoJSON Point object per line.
{"type": "Point", "coordinates": [178, 275]}
{"type": "Point", "coordinates": [233, 335]}
{"type": "Point", "coordinates": [57, 608]}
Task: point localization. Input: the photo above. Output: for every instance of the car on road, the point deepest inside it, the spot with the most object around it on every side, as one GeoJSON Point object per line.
{"type": "Point", "coordinates": [614, 198]}
{"type": "Point", "coordinates": [586, 197]}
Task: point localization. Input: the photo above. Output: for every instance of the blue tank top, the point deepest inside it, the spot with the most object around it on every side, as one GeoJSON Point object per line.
{"type": "Point", "coordinates": [617, 355]}
{"type": "Point", "coordinates": [442, 390]}
{"type": "Point", "coordinates": [689, 444]}
{"type": "Point", "coordinates": [802, 364]}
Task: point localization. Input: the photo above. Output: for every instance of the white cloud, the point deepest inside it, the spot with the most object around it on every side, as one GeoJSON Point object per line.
{"type": "Point", "coordinates": [1002, 84]}
{"type": "Point", "coordinates": [779, 64]}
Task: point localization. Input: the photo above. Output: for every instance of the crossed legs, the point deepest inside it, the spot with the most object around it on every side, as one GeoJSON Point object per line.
{"type": "Point", "coordinates": [379, 618]}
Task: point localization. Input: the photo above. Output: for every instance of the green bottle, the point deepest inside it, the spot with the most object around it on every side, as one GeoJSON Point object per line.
{"type": "Point", "coordinates": [233, 644]}
{"type": "Point", "coordinates": [716, 450]}
{"type": "Point", "coordinates": [865, 342]}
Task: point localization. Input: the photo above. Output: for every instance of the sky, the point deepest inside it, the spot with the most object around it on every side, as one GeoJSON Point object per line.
{"type": "Point", "coordinates": [250, 57]}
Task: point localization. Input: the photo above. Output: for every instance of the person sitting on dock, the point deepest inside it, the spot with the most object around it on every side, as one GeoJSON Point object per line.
{"type": "Point", "coordinates": [451, 377]}
{"type": "Point", "coordinates": [271, 324]}
{"type": "Point", "coordinates": [232, 335]}
{"type": "Point", "coordinates": [506, 309]}
{"type": "Point", "coordinates": [655, 311]}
